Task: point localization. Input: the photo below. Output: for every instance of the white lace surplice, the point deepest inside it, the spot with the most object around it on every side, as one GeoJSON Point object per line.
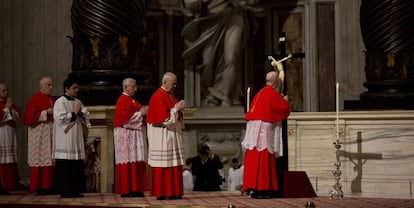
{"type": "Point", "coordinates": [264, 135]}
{"type": "Point", "coordinates": [130, 141]}
{"type": "Point", "coordinates": [8, 139]}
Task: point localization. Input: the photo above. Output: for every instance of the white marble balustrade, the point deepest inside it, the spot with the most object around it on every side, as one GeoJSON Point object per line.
{"type": "Point", "coordinates": [377, 153]}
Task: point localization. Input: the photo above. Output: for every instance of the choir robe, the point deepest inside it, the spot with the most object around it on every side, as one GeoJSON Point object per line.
{"type": "Point", "coordinates": [165, 145]}
{"type": "Point", "coordinates": [9, 175]}
{"type": "Point", "coordinates": [262, 140]}
{"type": "Point", "coordinates": [68, 146]}
{"type": "Point", "coordinates": [130, 146]}
{"type": "Point", "coordinates": [188, 180]}
{"type": "Point", "coordinates": [235, 178]}
{"type": "Point", "coordinates": [40, 135]}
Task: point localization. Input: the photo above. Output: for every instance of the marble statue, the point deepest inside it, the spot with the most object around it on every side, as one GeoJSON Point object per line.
{"type": "Point", "coordinates": [215, 39]}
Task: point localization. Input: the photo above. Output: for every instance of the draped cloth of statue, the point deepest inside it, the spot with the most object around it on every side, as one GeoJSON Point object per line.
{"type": "Point", "coordinates": [217, 35]}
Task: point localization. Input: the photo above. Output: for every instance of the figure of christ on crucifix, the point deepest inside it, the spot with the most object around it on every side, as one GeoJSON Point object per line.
{"type": "Point", "coordinates": [278, 62]}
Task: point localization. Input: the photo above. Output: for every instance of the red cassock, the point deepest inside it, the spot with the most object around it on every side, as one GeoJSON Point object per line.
{"type": "Point", "coordinates": [131, 176]}
{"type": "Point", "coordinates": [126, 106]}
{"type": "Point", "coordinates": [36, 104]}
{"type": "Point", "coordinates": [41, 177]}
{"type": "Point", "coordinates": [260, 166]}
{"type": "Point", "coordinates": [160, 104]}
{"type": "Point", "coordinates": [164, 181]}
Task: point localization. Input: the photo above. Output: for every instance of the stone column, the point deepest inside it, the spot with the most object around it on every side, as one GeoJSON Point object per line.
{"type": "Point", "coordinates": [388, 34]}
{"type": "Point", "coordinates": [108, 45]}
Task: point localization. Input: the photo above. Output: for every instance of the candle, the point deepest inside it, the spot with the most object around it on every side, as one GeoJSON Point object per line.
{"type": "Point", "coordinates": [337, 111]}
{"type": "Point", "coordinates": [248, 98]}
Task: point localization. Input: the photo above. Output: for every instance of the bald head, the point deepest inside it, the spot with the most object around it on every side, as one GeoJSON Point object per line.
{"type": "Point", "coordinates": [128, 81]}
{"type": "Point", "coordinates": [44, 80]}
{"type": "Point", "coordinates": [168, 76]}
{"type": "Point", "coordinates": [272, 77]}
{"type": "Point", "coordinates": [45, 85]}
{"type": "Point", "coordinates": [169, 82]}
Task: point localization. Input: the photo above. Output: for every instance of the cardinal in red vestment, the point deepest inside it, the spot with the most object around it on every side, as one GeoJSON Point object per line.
{"type": "Point", "coordinates": [9, 115]}
{"type": "Point", "coordinates": [38, 117]}
{"type": "Point", "coordinates": [262, 140]}
{"type": "Point", "coordinates": [130, 143]}
{"type": "Point", "coordinates": [165, 145]}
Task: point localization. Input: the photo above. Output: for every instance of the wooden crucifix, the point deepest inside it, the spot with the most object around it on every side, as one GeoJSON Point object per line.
{"type": "Point", "coordinates": [278, 61]}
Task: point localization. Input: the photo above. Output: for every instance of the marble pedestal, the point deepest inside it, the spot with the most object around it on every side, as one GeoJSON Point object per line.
{"type": "Point", "coordinates": [101, 119]}
{"type": "Point", "coordinates": [221, 128]}
{"type": "Point", "coordinates": [377, 153]}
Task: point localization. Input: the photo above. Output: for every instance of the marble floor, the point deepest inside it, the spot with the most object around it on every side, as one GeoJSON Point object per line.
{"type": "Point", "coordinates": [195, 199]}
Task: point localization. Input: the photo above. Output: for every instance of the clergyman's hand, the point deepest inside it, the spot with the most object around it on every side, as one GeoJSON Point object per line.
{"type": "Point", "coordinates": [77, 108]}
{"type": "Point", "coordinates": [144, 110]}
{"type": "Point", "coordinates": [180, 105]}
{"type": "Point", "coordinates": [50, 111]}
{"type": "Point", "coordinates": [9, 102]}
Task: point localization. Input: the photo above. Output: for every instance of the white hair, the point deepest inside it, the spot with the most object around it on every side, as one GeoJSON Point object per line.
{"type": "Point", "coordinates": [126, 81]}
{"type": "Point", "coordinates": [272, 76]}
{"type": "Point", "coordinates": [167, 76]}
{"type": "Point", "coordinates": [43, 80]}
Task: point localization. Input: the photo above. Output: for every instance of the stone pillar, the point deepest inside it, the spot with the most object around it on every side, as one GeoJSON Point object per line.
{"type": "Point", "coordinates": [388, 34]}
{"type": "Point", "coordinates": [102, 127]}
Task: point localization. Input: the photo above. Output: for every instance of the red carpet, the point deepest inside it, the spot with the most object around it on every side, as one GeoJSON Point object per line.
{"type": "Point", "coordinates": [192, 199]}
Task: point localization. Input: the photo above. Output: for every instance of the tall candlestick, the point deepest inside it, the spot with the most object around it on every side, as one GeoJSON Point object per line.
{"type": "Point", "coordinates": [336, 192]}
{"type": "Point", "coordinates": [337, 111]}
{"type": "Point", "coordinates": [248, 98]}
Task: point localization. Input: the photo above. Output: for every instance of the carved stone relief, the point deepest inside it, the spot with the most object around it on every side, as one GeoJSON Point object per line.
{"type": "Point", "coordinates": [223, 143]}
